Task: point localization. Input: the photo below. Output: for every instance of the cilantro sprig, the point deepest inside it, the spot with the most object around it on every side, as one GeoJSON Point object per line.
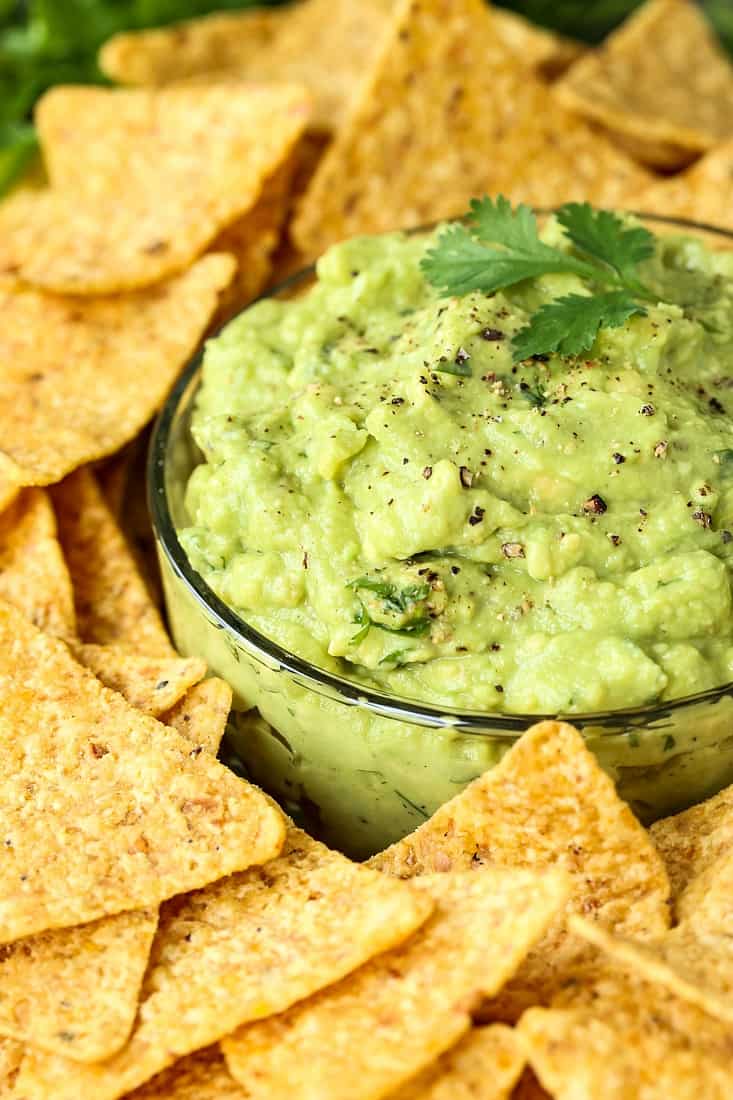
{"type": "Point", "coordinates": [497, 246]}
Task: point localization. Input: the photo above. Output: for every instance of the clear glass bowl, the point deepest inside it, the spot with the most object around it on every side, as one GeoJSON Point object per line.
{"type": "Point", "coordinates": [358, 768]}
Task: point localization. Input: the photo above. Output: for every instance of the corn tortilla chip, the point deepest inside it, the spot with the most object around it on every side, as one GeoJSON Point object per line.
{"type": "Point", "coordinates": [33, 573]}
{"type": "Point", "coordinates": [547, 803]}
{"type": "Point", "coordinates": [447, 113]}
{"type": "Point", "coordinates": [485, 1063]}
{"type": "Point", "coordinates": [253, 239]}
{"type": "Point", "coordinates": [113, 606]}
{"type": "Point", "coordinates": [695, 959]}
{"type": "Point", "coordinates": [702, 193]}
{"type": "Point", "coordinates": [614, 1036]}
{"type": "Point", "coordinates": [323, 44]}
{"type": "Point", "coordinates": [383, 1024]}
{"type": "Point", "coordinates": [75, 990]}
{"type": "Point", "coordinates": [201, 1076]}
{"type": "Point", "coordinates": [104, 809]}
{"type": "Point", "coordinates": [201, 715]}
{"type": "Point", "coordinates": [243, 948]}
{"type": "Point", "coordinates": [536, 47]}
{"type": "Point", "coordinates": [151, 684]}
{"type": "Point", "coordinates": [661, 83]}
{"type": "Point", "coordinates": [102, 369]}
{"type": "Point", "coordinates": [176, 167]}
{"type": "Point", "coordinates": [691, 842]}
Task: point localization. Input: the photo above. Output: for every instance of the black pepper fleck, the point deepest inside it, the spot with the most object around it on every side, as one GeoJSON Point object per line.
{"type": "Point", "coordinates": [595, 505]}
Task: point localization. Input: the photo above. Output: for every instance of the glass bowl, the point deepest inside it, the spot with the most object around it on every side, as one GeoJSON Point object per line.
{"type": "Point", "coordinates": [361, 769]}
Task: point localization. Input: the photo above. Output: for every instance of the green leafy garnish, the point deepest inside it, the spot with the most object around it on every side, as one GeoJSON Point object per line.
{"type": "Point", "coordinates": [569, 325]}
{"type": "Point", "coordinates": [395, 657]}
{"type": "Point", "coordinates": [498, 246]}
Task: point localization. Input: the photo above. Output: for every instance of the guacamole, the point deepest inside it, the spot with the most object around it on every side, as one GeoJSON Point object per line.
{"type": "Point", "coordinates": [386, 494]}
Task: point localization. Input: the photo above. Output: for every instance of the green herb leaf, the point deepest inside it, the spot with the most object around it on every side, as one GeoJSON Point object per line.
{"type": "Point", "coordinates": [570, 324]}
{"type": "Point", "coordinates": [393, 658]}
{"type": "Point", "coordinates": [603, 235]}
{"type": "Point", "coordinates": [394, 599]}
{"type": "Point", "coordinates": [463, 370]}
{"type": "Point", "coordinates": [460, 263]}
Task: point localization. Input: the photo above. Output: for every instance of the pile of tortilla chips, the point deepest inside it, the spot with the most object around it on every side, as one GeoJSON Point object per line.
{"type": "Point", "coordinates": [166, 934]}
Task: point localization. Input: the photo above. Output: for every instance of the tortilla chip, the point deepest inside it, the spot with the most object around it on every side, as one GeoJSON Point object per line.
{"type": "Point", "coordinates": [702, 193]}
{"type": "Point", "coordinates": [176, 167]}
{"type": "Point", "coordinates": [151, 684]}
{"type": "Point", "coordinates": [33, 573]}
{"type": "Point", "coordinates": [113, 476]}
{"type": "Point", "coordinates": [691, 842]}
{"type": "Point", "coordinates": [693, 960]}
{"type": "Point", "coordinates": [113, 606]}
{"type": "Point", "coordinates": [242, 949]}
{"type": "Point", "coordinates": [547, 803]}
{"type": "Point", "coordinates": [201, 715]}
{"type": "Point", "coordinates": [614, 1036]}
{"type": "Point", "coordinates": [104, 809]}
{"type": "Point", "coordinates": [448, 113]}
{"type": "Point", "coordinates": [661, 83]}
{"type": "Point", "coordinates": [485, 1063]}
{"type": "Point", "coordinates": [75, 990]}
{"type": "Point", "coordinates": [101, 370]}
{"type": "Point", "coordinates": [536, 47]}
{"type": "Point", "coordinates": [201, 1076]}
{"type": "Point", "coordinates": [253, 239]}
{"type": "Point", "coordinates": [323, 44]}
{"type": "Point", "coordinates": [383, 1024]}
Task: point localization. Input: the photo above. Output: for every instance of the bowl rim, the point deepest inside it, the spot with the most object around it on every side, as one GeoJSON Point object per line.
{"type": "Point", "coordinates": [323, 682]}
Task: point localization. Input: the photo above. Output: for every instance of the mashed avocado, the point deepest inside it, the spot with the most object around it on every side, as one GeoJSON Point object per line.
{"type": "Point", "coordinates": [386, 494]}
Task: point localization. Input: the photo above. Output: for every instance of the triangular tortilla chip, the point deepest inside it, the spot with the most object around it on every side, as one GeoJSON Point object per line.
{"type": "Point", "coordinates": [201, 715]}
{"type": "Point", "coordinates": [661, 83]}
{"type": "Point", "coordinates": [691, 842]}
{"type": "Point", "coordinates": [701, 194]}
{"type": "Point", "coordinates": [104, 809]}
{"type": "Point", "coordinates": [389, 1020]}
{"type": "Point", "coordinates": [151, 684]}
{"type": "Point", "coordinates": [201, 1076]}
{"type": "Point", "coordinates": [102, 368]}
{"type": "Point", "coordinates": [75, 990]}
{"type": "Point", "coordinates": [449, 113]}
{"type": "Point", "coordinates": [113, 606]}
{"type": "Point", "coordinates": [485, 1063]}
{"type": "Point", "coordinates": [33, 573]}
{"type": "Point", "coordinates": [547, 803]}
{"type": "Point", "coordinates": [611, 1035]}
{"type": "Point", "coordinates": [695, 959]}
{"type": "Point", "coordinates": [175, 168]}
{"type": "Point", "coordinates": [244, 948]}
{"type": "Point", "coordinates": [323, 44]}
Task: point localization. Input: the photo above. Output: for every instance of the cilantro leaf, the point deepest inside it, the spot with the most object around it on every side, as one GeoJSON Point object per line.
{"type": "Point", "coordinates": [603, 235]}
{"type": "Point", "coordinates": [569, 325]}
{"type": "Point", "coordinates": [459, 262]}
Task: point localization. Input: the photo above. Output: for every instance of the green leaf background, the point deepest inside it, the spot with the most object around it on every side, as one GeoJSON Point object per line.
{"type": "Point", "coordinates": [45, 42]}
